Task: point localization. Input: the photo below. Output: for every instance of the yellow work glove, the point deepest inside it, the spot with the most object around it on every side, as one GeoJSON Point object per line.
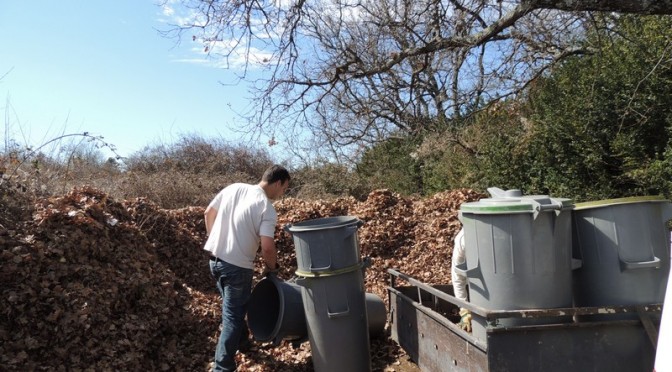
{"type": "Point", "coordinates": [465, 321]}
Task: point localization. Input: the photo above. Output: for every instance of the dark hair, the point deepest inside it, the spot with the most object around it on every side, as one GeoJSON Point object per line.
{"type": "Point", "coordinates": [276, 173]}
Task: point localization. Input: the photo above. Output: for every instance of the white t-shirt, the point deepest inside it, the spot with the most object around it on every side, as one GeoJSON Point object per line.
{"type": "Point", "coordinates": [459, 256]}
{"type": "Point", "coordinates": [244, 214]}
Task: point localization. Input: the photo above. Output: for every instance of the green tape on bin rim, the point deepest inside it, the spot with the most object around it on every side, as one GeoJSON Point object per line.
{"type": "Point", "coordinates": [508, 208]}
{"type": "Point", "coordinates": [317, 274]}
{"type": "Point", "coordinates": [520, 206]}
{"type": "Point", "coordinates": [619, 201]}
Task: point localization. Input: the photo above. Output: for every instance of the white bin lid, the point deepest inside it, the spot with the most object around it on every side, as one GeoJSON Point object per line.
{"type": "Point", "coordinates": [512, 201]}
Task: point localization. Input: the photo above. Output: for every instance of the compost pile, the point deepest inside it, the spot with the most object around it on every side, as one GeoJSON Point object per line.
{"type": "Point", "coordinates": [90, 283]}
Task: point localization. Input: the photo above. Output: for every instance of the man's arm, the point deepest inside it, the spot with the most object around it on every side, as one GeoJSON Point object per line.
{"type": "Point", "coordinates": [210, 215]}
{"type": "Point", "coordinates": [269, 253]}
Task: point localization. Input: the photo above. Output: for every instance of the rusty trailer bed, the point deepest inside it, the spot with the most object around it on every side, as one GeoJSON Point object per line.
{"type": "Point", "coordinates": [422, 321]}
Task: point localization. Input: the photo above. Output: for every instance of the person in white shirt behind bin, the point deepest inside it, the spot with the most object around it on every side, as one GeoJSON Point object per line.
{"type": "Point", "coordinates": [459, 280]}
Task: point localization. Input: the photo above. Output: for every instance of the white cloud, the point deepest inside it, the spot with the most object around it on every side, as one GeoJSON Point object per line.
{"type": "Point", "coordinates": [217, 57]}
{"type": "Point", "coordinates": [193, 61]}
{"type": "Point", "coordinates": [167, 10]}
{"type": "Point", "coordinates": [230, 54]}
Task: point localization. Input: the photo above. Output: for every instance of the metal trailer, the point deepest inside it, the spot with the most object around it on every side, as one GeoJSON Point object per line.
{"type": "Point", "coordinates": [423, 317]}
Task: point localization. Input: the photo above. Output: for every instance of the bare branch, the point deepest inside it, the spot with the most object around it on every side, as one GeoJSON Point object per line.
{"type": "Point", "coordinates": [357, 71]}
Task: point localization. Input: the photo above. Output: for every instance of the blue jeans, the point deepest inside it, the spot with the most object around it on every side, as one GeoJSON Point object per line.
{"type": "Point", "coordinates": [235, 285]}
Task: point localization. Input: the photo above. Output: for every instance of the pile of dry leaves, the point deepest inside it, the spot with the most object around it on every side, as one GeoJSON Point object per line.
{"type": "Point", "coordinates": [90, 283]}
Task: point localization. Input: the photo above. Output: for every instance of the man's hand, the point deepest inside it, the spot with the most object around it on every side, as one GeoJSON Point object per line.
{"type": "Point", "coordinates": [268, 271]}
{"type": "Point", "coordinates": [465, 321]}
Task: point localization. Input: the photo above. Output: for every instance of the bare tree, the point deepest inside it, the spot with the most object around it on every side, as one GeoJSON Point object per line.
{"type": "Point", "coordinates": [353, 72]}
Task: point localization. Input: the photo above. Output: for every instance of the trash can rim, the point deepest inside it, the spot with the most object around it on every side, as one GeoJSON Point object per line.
{"type": "Point", "coordinates": [619, 201]}
{"type": "Point", "coordinates": [316, 223]}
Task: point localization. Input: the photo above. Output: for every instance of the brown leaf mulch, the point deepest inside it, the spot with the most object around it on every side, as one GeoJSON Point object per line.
{"type": "Point", "coordinates": [90, 283]}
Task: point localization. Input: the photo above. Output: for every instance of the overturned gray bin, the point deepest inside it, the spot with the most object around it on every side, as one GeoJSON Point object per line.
{"type": "Point", "coordinates": [332, 276]}
{"type": "Point", "coordinates": [275, 311]}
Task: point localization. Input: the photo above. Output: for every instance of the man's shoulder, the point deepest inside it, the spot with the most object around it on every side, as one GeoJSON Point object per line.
{"type": "Point", "coordinates": [252, 194]}
{"type": "Point", "coordinates": [237, 187]}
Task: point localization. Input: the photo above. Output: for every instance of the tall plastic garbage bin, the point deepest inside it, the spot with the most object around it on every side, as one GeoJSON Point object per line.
{"type": "Point", "coordinates": [518, 254]}
{"type": "Point", "coordinates": [332, 276]}
{"type": "Point", "coordinates": [337, 319]}
{"type": "Point", "coordinates": [624, 245]}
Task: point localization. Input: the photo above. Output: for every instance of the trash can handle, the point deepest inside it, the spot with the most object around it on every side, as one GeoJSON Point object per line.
{"type": "Point", "coordinates": [461, 269]}
{"type": "Point", "coordinates": [496, 192]}
{"type": "Point", "coordinates": [349, 230]}
{"type": "Point", "coordinates": [324, 268]}
{"type": "Point", "coordinates": [547, 207]}
{"type": "Point", "coordinates": [338, 314]}
{"type": "Point", "coordinates": [628, 265]}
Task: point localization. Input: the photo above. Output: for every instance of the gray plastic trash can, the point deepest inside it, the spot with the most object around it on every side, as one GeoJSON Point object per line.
{"type": "Point", "coordinates": [275, 311]}
{"type": "Point", "coordinates": [376, 314]}
{"type": "Point", "coordinates": [624, 245]}
{"type": "Point", "coordinates": [337, 320]}
{"type": "Point", "coordinates": [332, 276]}
{"type": "Point", "coordinates": [518, 254]}
{"type": "Point", "coordinates": [326, 244]}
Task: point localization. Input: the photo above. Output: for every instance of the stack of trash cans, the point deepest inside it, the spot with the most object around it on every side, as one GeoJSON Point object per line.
{"type": "Point", "coordinates": [537, 252]}
{"type": "Point", "coordinates": [326, 302]}
{"type": "Point", "coordinates": [331, 273]}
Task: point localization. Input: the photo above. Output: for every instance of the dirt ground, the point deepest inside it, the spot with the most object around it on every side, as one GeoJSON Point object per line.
{"type": "Point", "coordinates": [404, 364]}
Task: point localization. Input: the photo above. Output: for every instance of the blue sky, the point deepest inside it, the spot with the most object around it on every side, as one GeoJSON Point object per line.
{"type": "Point", "coordinates": [101, 66]}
